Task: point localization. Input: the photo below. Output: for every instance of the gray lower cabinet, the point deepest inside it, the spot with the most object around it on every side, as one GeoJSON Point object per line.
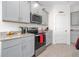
{"type": "Point", "coordinates": [74, 36]}
{"type": "Point", "coordinates": [11, 48]}
{"type": "Point", "coordinates": [28, 46]}
{"type": "Point", "coordinates": [14, 51]}
{"type": "Point", "coordinates": [19, 47]}
{"type": "Point", "coordinates": [48, 37]}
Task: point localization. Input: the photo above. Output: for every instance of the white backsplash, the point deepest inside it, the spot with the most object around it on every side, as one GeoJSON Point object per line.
{"type": "Point", "coordinates": [8, 26]}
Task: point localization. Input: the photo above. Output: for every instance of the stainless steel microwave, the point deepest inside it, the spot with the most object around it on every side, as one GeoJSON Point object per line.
{"type": "Point", "coordinates": [36, 18]}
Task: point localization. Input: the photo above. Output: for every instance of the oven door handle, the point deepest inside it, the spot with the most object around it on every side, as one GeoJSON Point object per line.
{"type": "Point", "coordinates": [36, 35]}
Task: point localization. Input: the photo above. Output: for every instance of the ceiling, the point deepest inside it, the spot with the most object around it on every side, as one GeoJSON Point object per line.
{"type": "Point", "coordinates": [49, 4]}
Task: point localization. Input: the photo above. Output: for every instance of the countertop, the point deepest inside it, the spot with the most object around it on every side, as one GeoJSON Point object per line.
{"type": "Point", "coordinates": [3, 37]}
{"type": "Point", "coordinates": [74, 29]}
{"type": "Point", "coordinates": [15, 36]}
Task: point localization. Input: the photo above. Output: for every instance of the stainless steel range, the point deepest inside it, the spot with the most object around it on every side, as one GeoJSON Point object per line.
{"type": "Point", "coordinates": [39, 47]}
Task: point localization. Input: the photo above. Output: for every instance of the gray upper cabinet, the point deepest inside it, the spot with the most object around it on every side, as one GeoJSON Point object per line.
{"type": "Point", "coordinates": [36, 8]}
{"type": "Point", "coordinates": [75, 18]}
{"type": "Point", "coordinates": [18, 11]}
{"type": "Point", "coordinates": [12, 11]}
{"type": "Point", "coordinates": [44, 18]}
{"type": "Point", "coordinates": [4, 10]}
{"type": "Point", "coordinates": [39, 11]}
{"type": "Point", "coordinates": [25, 11]}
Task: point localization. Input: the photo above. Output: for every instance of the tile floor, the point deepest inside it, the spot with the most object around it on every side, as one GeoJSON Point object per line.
{"type": "Point", "coordinates": [60, 50]}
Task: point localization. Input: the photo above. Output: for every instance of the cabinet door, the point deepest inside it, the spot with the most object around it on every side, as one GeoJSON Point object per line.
{"type": "Point", "coordinates": [12, 10]}
{"type": "Point", "coordinates": [44, 18]}
{"type": "Point", "coordinates": [35, 9]}
{"type": "Point", "coordinates": [25, 11]}
{"type": "Point", "coordinates": [14, 51]}
{"type": "Point", "coordinates": [75, 18]}
{"type": "Point", "coordinates": [10, 43]}
{"type": "Point", "coordinates": [48, 37]}
{"type": "Point", "coordinates": [4, 10]}
{"type": "Point", "coordinates": [28, 46]}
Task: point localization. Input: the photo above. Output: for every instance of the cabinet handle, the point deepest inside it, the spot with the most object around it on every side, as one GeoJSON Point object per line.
{"type": "Point", "coordinates": [24, 46]}
{"type": "Point", "coordinates": [65, 30]}
{"type": "Point", "coordinates": [19, 18]}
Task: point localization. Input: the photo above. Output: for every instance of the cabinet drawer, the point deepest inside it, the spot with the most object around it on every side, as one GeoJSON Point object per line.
{"type": "Point", "coordinates": [14, 51]}
{"type": "Point", "coordinates": [26, 39]}
{"type": "Point", "coordinates": [10, 43]}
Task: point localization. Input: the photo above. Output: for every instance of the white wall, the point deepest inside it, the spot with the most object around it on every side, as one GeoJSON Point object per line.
{"type": "Point", "coordinates": [54, 22]}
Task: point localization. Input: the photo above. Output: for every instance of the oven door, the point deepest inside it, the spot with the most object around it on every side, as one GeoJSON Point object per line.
{"type": "Point", "coordinates": [37, 41]}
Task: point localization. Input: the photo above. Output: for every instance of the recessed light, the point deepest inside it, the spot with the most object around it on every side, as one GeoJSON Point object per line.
{"type": "Point", "coordinates": [35, 5]}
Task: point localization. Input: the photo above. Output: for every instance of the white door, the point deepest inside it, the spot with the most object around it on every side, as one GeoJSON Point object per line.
{"type": "Point", "coordinates": [61, 30]}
